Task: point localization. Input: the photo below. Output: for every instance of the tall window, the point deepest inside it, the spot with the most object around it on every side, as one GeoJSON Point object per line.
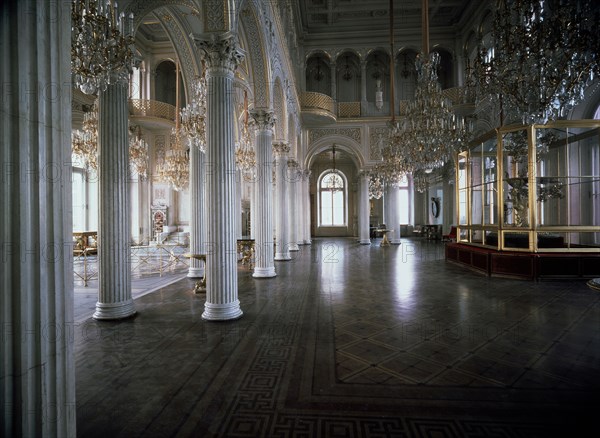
{"type": "Point", "coordinates": [332, 196]}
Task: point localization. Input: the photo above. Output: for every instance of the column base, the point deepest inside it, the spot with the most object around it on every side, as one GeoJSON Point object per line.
{"type": "Point", "coordinates": [294, 247]}
{"type": "Point", "coordinates": [282, 257]}
{"type": "Point", "coordinates": [365, 241]}
{"type": "Point", "coordinates": [308, 242]}
{"type": "Point", "coordinates": [108, 311]}
{"type": "Point", "coordinates": [395, 241]}
{"type": "Point", "coordinates": [264, 272]}
{"type": "Point", "coordinates": [196, 273]}
{"type": "Point", "coordinates": [222, 312]}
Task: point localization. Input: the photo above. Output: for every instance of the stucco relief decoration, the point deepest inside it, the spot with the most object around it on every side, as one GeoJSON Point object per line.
{"type": "Point", "coordinates": [214, 13]}
{"type": "Point", "coordinates": [220, 51]}
{"type": "Point", "coordinates": [159, 149]}
{"type": "Point", "coordinates": [263, 120]}
{"type": "Point", "coordinates": [186, 57]}
{"type": "Point", "coordinates": [258, 59]}
{"type": "Point", "coordinates": [376, 138]}
{"type": "Point", "coordinates": [281, 148]}
{"type": "Point", "coordinates": [141, 8]}
{"type": "Point", "coordinates": [315, 134]}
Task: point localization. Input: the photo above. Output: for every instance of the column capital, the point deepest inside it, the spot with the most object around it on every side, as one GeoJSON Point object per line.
{"type": "Point", "coordinates": [219, 51]}
{"type": "Point", "coordinates": [263, 120]}
{"type": "Point", "coordinates": [281, 148]}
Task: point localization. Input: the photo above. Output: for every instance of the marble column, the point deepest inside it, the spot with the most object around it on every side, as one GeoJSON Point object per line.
{"type": "Point", "coordinates": [392, 202]}
{"type": "Point", "coordinates": [293, 181]}
{"type": "Point", "coordinates": [114, 231]}
{"type": "Point", "coordinates": [221, 55]}
{"type": "Point", "coordinates": [363, 209]}
{"type": "Point", "coordinates": [238, 205]}
{"type": "Point", "coordinates": [264, 266]}
{"type": "Point", "coordinates": [253, 211]}
{"type": "Point", "coordinates": [282, 249]}
{"type": "Point", "coordinates": [37, 370]}
{"type": "Point", "coordinates": [306, 204]}
{"type": "Point", "coordinates": [197, 212]}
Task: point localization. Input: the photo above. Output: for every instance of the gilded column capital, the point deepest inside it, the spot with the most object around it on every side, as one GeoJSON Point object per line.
{"type": "Point", "coordinates": [263, 120]}
{"type": "Point", "coordinates": [281, 148]}
{"type": "Point", "coordinates": [219, 51]}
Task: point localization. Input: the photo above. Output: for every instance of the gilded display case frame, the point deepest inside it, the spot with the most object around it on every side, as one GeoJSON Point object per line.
{"type": "Point", "coordinates": [497, 210]}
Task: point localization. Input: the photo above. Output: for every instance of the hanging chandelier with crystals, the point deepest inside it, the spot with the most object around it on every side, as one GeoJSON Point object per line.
{"type": "Point", "coordinates": [193, 116]}
{"type": "Point", "coordinates": [430, 128]}
{"type": "Point", "coordinates": [84, 143]}
{"type": "Point", "coordinates": [175, 169]}
{"type": "Point", "coordinates": [393, 166]}
{"type": "Point", "coordinates": [101, 44]}
{"type": "Point", "coordinates": [376, 185]}
{"type": "Point", "coordinates": [420, 181]}
{"type": "Point", "coordinates": [245, 156]}
{"type": "Point", "coordinates": [138, 153]}
{"type": "Point", "coordinates": [542, 56]}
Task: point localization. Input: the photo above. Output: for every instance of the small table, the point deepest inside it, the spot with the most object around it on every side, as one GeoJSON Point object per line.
{"type": "Point", "coordinates": [385, 241]}
{"type": "Point", "coordinates": [200, 286]}
{"type": "Point", "coordinates": [594, 284]}
{"type": "Point", "coordinates": [246, 248]}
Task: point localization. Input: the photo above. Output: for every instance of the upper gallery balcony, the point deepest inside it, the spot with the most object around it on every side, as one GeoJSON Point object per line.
{"type": "Point", "coordinates": [317, 108]}
{"type": "Point", "coordinates": [151, 113]}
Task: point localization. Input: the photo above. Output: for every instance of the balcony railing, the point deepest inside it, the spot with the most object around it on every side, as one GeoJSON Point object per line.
{"type": "Point", "coordinates": [348, 109]}
{"type": "Point", "coordinates": [313, 101]}
{"type": "Point", "coordinates": [152, 108]}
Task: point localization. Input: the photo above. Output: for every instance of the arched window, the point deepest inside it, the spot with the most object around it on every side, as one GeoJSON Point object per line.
{"type": "Point", "coordinates": [332, 199]}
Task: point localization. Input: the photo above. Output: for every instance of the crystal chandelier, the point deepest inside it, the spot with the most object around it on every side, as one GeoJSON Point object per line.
{"type": "Point", "coordinates": [101, 41]}
{"type": "Point", "coordinates": [175, 170]}
{"type": "Point", "coordinates": [245, 157]}
{"type": "Point", "coordinates": [393, 164]}
{"type": "Point", "coordinates": [84, 143]}
{"type": "Point", "coordinates": [420, 181]}
{"type": "Point", "coordinates": [430, 127]}
{"type": "Point", "coordinates": [193, 116]}
{"type": "Point", "coordinates": [376, 185]}
{"type": "Point", "coordinates": [542, 57]}
{"type": "Point", "coordinates": [138, 153]}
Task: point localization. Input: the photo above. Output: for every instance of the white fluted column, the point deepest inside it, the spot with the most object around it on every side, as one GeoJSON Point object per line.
{"type": "Point", "coordinates": [114, 231]}
{"type": "Point", "coordinates": [263, 122]}
{"type": "Point", "coordinates": [197, 212]}
{"type": "Point", "coordinates": [37, 373]}
{"type": "Point", "coordinates": [282, 252]}
{"type": "Point", "coordinates": [294, 180]}
{"type": "Point", "coordinates": [306, 204]}
{"type": "Point", "coordinates": [222, 55]}
{"type": "Point", "coordinates": [393, 217]}
{"type": "Point", "coordinates": [363, 209]}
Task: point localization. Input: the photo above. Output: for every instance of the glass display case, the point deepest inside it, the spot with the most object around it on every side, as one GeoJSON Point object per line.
{"type": "Point", "coordinates": [497, 208]}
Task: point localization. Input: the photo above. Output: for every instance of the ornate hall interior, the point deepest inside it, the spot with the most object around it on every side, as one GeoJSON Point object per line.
{"type": "Point", "coordinates": [300, 218]}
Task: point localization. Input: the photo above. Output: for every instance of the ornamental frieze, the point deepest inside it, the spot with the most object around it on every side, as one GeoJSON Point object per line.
{"type": "Point", "coordinates": [317, 133]}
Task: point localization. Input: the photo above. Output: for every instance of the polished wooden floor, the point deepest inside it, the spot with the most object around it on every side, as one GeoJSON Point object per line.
{"type": "Point", "coordinates": [349, 341]}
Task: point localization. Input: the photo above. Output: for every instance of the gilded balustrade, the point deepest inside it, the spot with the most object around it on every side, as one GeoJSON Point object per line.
{"type": "Point", "coordinates": [152, 108]}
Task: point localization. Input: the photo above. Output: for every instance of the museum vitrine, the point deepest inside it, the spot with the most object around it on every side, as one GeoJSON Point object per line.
{"type": "Point", "coordinates": [497, 207]}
